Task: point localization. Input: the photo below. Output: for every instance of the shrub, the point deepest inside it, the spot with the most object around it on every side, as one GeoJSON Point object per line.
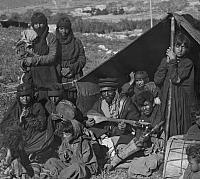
{"type": "Point", "coordinates": [90, 26]}
{"type": "Point", "coordinates": [3, 17]}
{"type": "Point", "coordinates": [15, 16]}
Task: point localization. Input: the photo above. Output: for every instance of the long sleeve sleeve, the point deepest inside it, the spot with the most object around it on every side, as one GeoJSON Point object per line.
{"type": "Point", "coordinates": [178, 73]}
{"type": "Point", "coordinates": [125, 88]}
{"type": "Point", "coordinates": [51, 56]}
{"type": "Point", "coordinates": [132, 111]}
{"type": "Point", "coordinates": [96, 109]}
{"type": "Point", "coordinates": [161, 72]}
{"type": "Point", "coordinates": [81, 60]}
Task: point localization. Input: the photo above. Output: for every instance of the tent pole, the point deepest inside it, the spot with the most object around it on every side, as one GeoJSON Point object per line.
{"type": "Point", "coordinates": [169, 102]}
{"type": "Point", "coordinates": [151, 16]}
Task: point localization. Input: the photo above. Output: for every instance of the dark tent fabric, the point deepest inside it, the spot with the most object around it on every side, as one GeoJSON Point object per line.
{"type": "Point", "coordinates": [144, 53]}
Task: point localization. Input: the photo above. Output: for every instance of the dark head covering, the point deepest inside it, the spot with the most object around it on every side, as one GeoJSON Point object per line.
{"type": "Point", "coordinates": [25, 90]}
{"type": "Point", "coordinates": [142, 75]}
{"type": "Point", "coordinates": [68, 39]}
{"type": "Point", "coordinates": [64, 22]}
{"type": "Point", "coordinates": [40, 46]}
{"type": "Point", "coordinates": [108, 84]}
{"type": "Point", "coordinates": [38, 18]}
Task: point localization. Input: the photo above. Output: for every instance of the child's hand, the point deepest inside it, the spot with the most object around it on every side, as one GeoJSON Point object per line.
{"type": "Point", "coordinates": [170, 54]}
{"type": "Point", "coordinates": [66, 155]}
{"type": "Point", "coordinates": [132, 76]}
{"type": "Point", "coordinates": [90, 122]}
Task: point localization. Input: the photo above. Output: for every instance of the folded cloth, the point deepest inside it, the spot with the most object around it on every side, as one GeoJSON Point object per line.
{"type": "Point", "coordinates": [193, 133]}
{"type": "Point", "coordinates": [143, 166]}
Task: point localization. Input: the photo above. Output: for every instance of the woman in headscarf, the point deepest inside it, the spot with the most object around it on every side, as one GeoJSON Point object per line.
{"type": "Point", "coordinates": [27, 133]}
{"type": "Point", "coordinates": [30, 117]}
{"type": "Point", "coordinates": [43, 64]}
{"type": "Point", "coordinates": [71, 55]}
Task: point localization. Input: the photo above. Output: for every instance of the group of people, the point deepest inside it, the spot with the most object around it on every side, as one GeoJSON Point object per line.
{"type": "Point", "coordinates": [46, 135]}
{"type": "Point", "coordinates": [48, 58]}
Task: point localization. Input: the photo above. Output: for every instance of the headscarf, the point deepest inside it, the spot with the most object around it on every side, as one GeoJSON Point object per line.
{"type": "Point", "coordinates": [64, 22]}
{"type": "Point", "coordinates": [39, 18]}
{"type": "Point", "coordinates": [25, 89]}
{"type": "Point", "coordinates": [40, 46]}
{"type": "Point", "coordinates": [68, 41]}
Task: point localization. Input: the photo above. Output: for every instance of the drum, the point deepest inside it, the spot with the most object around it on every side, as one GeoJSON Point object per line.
{"type": "Point", "coordinates": [176, 161]}
{"type": "Point", "coordinates": [66, 109]}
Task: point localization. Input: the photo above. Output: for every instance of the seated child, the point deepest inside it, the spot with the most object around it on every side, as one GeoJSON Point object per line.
{"type": "Point", "coordinates": [193, 169]}
{"type": "Point", "coordinates": [193, 132]}
{"type": "Point", "coordinates": [24, 48]}
{"type": "Point", "coordinates": [139, 81]}
{"type": "Point", "coordinates": [76, 156]}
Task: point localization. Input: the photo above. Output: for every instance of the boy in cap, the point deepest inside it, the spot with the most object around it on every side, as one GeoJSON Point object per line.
{"type": "Point", "coordinates": [139, 81]}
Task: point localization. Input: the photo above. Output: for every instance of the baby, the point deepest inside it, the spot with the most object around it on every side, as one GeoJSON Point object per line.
{"type": "Point", "coordinates": [24, 48]}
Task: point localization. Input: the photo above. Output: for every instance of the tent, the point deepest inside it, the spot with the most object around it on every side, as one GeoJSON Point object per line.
{"type": "Point", "coordinates": [144, 53]}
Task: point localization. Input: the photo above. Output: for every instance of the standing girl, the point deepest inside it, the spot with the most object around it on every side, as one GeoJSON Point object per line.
{"type": "Point", "coordinates": [178, 68]}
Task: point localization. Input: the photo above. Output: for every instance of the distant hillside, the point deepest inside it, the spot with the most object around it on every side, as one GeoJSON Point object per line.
{"type": "Point", "coordinates": [11, 4]}
{"type": "Point", "coordinates": [139, 7]}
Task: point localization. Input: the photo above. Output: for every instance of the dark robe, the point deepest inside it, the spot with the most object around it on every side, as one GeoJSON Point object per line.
{"type": "Point", "coordinates": [193, 133]}
{"type": "Point", "coordinates": [71, 54]}
{"type": "Point", "coordinates": [182, 78]}
{"type": "Point", "coordinates": [38, 132]}
{"type": "Point", "coordinates": [44, 63]}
